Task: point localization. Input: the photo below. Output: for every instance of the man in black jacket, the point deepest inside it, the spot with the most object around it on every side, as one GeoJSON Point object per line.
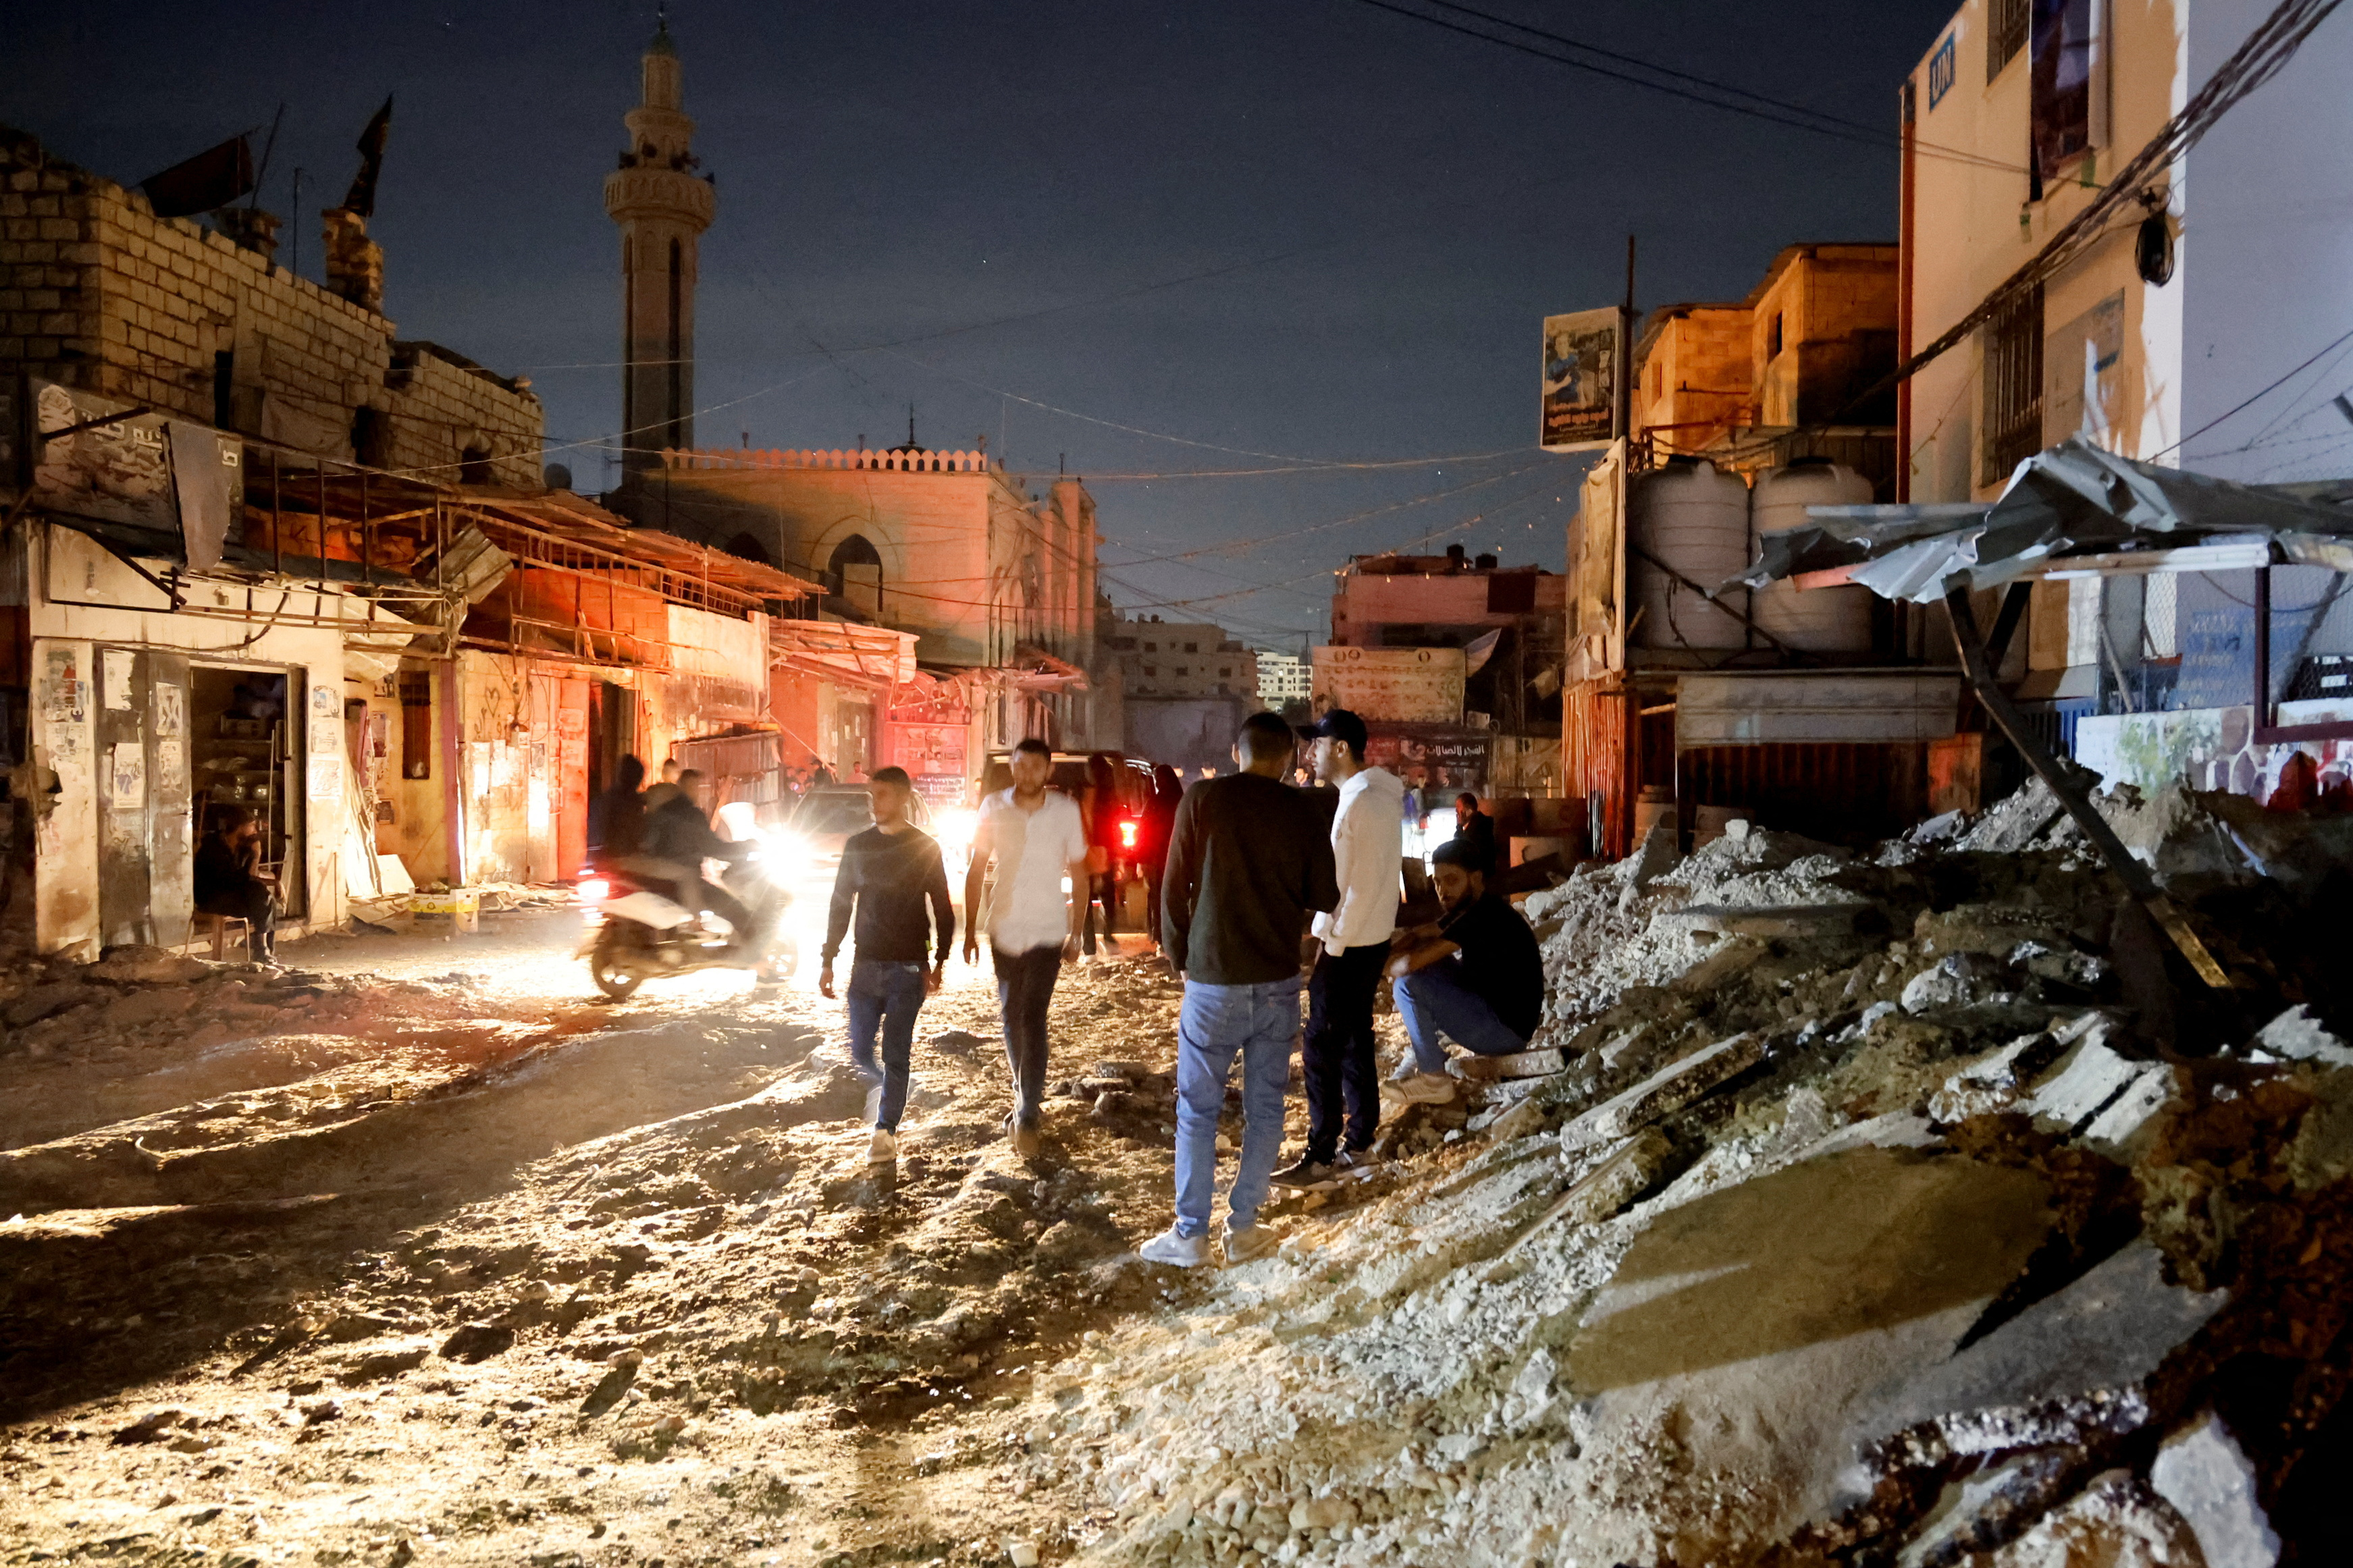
{"type": "Point", "coordinates": [676, 832]}
{"type": "Point", "coordinates": [1476, 976]}
{"type": "Point", "coordinates": [1249, 861]}
{"type": "Point", "coordinates": [888, 873]}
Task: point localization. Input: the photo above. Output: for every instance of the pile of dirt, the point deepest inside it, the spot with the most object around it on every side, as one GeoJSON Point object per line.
{"type": "Point", "coordinates": [1912, 1206]}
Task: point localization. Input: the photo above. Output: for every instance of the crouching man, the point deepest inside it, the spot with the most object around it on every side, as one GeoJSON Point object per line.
{"type": "Point", "coordinates": [1475, 977]}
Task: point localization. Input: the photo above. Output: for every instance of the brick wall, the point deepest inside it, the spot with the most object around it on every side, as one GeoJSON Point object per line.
{"type": "Point", "coordinates": [97, 292]}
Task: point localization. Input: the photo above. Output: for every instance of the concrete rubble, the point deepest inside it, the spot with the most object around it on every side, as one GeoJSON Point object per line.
{"type": "Point", "coordinates": [1914, 1205]}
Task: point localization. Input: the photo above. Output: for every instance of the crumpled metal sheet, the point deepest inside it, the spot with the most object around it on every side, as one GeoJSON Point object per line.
{"type": "Point", "coordinates": [2071, 499]}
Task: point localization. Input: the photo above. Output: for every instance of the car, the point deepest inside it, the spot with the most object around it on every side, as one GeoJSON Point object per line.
{"type": "Point", "coordinates": [828, 816]}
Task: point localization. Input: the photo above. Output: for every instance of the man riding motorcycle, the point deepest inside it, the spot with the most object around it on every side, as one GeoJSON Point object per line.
{"type": "Point", "coordinates": [675, 841]}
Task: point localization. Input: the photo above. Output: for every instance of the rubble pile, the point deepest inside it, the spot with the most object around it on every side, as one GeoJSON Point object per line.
{"type": "Point", "coordinates": [1916, 1206]}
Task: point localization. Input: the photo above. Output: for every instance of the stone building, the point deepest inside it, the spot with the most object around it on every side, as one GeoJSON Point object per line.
{"type": "Point", "coordinates": [1778, 375]}
{"type": "Point", "coordinates": [662, 209]}
{"type": "Point", "coordinates": [946, 545]}
{"type": "Point", "coordinates": [2184, 334]}
{"type": "Point", "coordinates": [99, 294]}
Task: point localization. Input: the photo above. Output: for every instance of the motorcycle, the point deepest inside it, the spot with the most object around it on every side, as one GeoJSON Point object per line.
{"type": "Point", "coordinates": [638, 932]}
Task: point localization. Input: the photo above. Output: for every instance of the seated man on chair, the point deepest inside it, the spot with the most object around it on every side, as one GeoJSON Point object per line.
{"type": "Point", "coordinates": [230, 880]}
{"type": "Point", "coordinates": [1474, 976]}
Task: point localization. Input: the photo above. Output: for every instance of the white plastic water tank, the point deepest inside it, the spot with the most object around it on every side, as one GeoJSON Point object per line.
{"type": "Point", "coordinates": [1694, 518]}
{"type": "Point", "coordinates": [1817, 620]}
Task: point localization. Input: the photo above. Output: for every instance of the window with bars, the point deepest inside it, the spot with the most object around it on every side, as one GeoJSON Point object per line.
{"type": "Point", "coordinates": [2006, 29]}
{"type": "Point", "coordinates": [2014, 387]}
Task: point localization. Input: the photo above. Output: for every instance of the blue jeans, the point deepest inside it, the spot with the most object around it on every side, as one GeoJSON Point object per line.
{"type": "Point", "coordinates": [1261, 1023]}
{"type": "Point", "coordinates": [1435, 1001]}
{"type": "Point", "coordinates": [886, 996]}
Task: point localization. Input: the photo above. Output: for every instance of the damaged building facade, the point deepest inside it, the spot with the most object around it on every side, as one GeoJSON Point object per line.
{"type": "Point", "coordinates": [1813, 707]}
{"type": "Point", "coordinates": [265, 553]}
{"type": "Point", "coordinates": [2164, 339]}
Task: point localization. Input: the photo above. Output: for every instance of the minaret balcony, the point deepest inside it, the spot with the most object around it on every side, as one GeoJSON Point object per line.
{"type": "Point", "coordinates": [671, 194]}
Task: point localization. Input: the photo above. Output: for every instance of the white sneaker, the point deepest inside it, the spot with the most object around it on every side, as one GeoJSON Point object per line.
{"type": "Point", "coordinates": [1424, 1087]}
{"type": "Point", "coordinates": [1251, 1241]}
{"type": "Point", "coordinates": [1174, 1250]}
{"type": "Point", "coordinates": [883, 1149]}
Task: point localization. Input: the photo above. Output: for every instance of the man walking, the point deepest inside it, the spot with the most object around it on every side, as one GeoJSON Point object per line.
{"type": "Point", "coordinates": [887, 874]}
{"type": "Point", "coordinates": [1367, 850]}
{"type": "Point", "coordinates": [1475, 976]}
{"type": "Point", "coordinates": [1035, 839]}
{"type": "Point", "coordinates": [1248, 863]}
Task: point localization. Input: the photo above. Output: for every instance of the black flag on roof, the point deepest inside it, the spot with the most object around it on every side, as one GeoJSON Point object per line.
{"type": "Point", "coordinates": [213, 178]}
{"type": "Point", "coordinates": [360, 197]}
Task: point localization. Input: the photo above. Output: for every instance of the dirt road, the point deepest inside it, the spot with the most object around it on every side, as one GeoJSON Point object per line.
{"type": "Point", "coordinates": [416, 1255]}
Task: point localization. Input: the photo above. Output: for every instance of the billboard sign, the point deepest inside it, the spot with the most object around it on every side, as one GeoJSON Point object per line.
{"type": "Point", "coordinates": [1580, 380]}
{"type": "Point", "coordinates": [1391, 685]}
{"type": "Point", "coordinates": [1440, 759]}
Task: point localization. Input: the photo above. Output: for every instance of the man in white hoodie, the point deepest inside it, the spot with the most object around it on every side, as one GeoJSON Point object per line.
{"type": "Point", "coordinates": [1367, 850]}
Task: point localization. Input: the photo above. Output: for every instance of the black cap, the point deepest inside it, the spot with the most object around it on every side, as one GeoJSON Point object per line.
{"type": "Point", "coordinates": [1339, 724]}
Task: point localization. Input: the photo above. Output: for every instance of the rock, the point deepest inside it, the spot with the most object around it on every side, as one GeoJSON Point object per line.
{"type": "Point", "coordinates": [2296, 1036]}
{"type": "Point", "coordinates": [1021, 1553]}
{"type": "Point", "coordinates": [1896, 1130]}
{"type": "Point", "coordinates": [2130, 1121]}
{"type": "Point", "coordinates": [1769, 921]}
{"type": "Point", "coordinates": [2323, 1150]}
{"type": "Point", "coordinates": [2087, 1081]}
{"type": "Point", "coordinates": [1650, 861]}
{"type": "Point", "coordinates": [1521, 1120]}
{"type": "Point", "coordinates": [2205, 1475]}
{"type": "Point", "coordinates": [478, 1342]}
{"type": "Point", "coordinates": [1981, 1511]}
{"type": "Point", "coordinates": [958, 1042]}
{"type": "Point", "coordinates": [2067, 1367]}
{"type": "Point", "coordinates": [382, 1365]}
{"type": "Point", "coordinates": [346, 1327]}
{"type": "Point", "coordinates": [1958, 980]}
{"type": "Point", "coordinates": [147, 1007]}
{"type": "Point", "coordinates": [152, 1426]}
{"type": "Point", "coordinates": [47, 1000]}
{"type": "Point", "coordinates": [1665, 1091]}
{"type": "Point", "coordinates": [1518, 1064]}
{"type": "Point", "coordinates": [142, 965]}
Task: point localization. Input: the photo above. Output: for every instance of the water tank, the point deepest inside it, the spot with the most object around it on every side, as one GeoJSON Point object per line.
{"type": "Point", "coordinates": [1818, 620]}
{"type": "Point", "coordinates": [1694, 518]}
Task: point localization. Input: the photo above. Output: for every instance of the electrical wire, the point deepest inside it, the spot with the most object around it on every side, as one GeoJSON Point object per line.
{"type": "Point", "coordinates": [1775, 112]}
{"type": "Point", "coordinates": [2255, 61]}
{"type": "Point", "coordinates": [2258, 397]}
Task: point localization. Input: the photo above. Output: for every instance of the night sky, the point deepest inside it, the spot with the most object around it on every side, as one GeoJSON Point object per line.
{"type": "Point", "coordinates": [1284, 236]}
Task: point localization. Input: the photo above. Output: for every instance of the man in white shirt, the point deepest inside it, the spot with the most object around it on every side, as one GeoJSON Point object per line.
{"type": "Point", "coordinates": [1367, 850]}
{"type": "Point", "coordinates": [1039, 844]}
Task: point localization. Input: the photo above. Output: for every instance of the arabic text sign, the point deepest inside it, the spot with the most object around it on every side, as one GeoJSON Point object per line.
{"type": "Point", "coordinates": [1397, 684]}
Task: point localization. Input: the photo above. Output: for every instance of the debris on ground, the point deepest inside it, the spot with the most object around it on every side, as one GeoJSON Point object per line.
{"type": "Point", "coordinates": [1912, 1206]}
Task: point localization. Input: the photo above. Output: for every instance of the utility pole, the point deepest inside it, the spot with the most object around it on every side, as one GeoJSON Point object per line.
{"type": "Point", "coordinates": [1622, 415]}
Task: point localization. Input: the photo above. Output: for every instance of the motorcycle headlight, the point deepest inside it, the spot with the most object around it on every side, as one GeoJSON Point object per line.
{"type": "Point", "coordinates": [595, 891]}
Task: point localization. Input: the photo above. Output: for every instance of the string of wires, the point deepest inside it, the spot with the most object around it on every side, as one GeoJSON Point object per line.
{"type": "Point", "coordinates": [2255, 61]}
{"type": "Point", "coordinates": [1634, 72]}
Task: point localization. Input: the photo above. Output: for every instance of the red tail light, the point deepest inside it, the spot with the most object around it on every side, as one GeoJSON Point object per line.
{"type": "Point", "coordinates": [1127, 835]}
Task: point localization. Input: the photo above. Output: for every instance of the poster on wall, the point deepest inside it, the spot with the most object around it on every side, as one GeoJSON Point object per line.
{"type": "Point", "coordinates": [1440, 760]}
{"type": "Point", "coordinates": [1580, 380]}
{"type": "Point", "coordinates": [326, 777]}
{"type": "Point", "coordinates": [64, 696]}
{"type": "Point", "coordinates": [115, 665]}
{"type": "Point", "coordinates": [1400, 685]}
{"type": "Point", "coordinates": [171, 711]}
{"type": "Point", "coordinates": [118, 471]}
{"type": "Point", "coordinates": [326, 719]}
{"type": "Point", "coordinates": [126, 775]}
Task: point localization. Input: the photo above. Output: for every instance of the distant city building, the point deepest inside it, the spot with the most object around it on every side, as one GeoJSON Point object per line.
{"type": "Point", "coordinates": [1182, 660]}
{"type": "Point", "coordinates": [1283, 679]}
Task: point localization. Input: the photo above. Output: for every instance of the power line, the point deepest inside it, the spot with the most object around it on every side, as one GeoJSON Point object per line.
{"type": "Point", "coordinates": [2258, 397]}
{"type": "Point", "coordinates": [2255, 61]}
{"type": "Point", "coordinates": [1772, 111]}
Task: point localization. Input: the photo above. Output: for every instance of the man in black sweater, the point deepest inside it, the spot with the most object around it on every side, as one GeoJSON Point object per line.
{"type": "Point", "coordinates": [1476, 976]}
{"type": "Point", "coordinates": [888, 872]}
{"type": "Point", "coordinates": [1249, 862]}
